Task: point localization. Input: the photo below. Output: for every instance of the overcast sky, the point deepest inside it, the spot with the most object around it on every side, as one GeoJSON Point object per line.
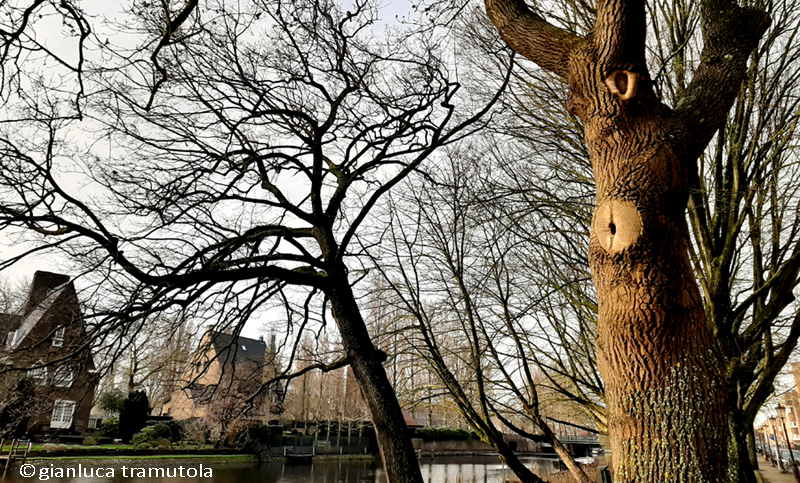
{"type": "Point", "coordinates": [49, 30]}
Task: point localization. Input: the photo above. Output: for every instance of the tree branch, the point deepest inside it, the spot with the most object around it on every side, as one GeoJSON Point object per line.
{"type": "Point", "coordinates": [530, 35]}
{"type": "Point", "coordinates": [730, 33]}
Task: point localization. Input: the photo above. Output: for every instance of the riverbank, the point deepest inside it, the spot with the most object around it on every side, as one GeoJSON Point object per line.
{"type": "Point", "coordinates": [217, 458]}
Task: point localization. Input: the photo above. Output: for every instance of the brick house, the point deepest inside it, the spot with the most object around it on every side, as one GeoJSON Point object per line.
{"type": "Point", "coordinates": [222, 380]}
{"type": "Point", "coordinates": [45, 343]}
{"type": "Point", "coordinates": [791, 400]}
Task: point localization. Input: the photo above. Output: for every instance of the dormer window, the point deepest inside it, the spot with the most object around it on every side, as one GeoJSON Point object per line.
{"type": "Point", "coordinates": [58, 337]}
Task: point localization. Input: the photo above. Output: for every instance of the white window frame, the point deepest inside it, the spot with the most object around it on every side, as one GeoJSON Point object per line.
{"type": "Point", "coordinates": [58, 337]}
{"type": "Point", "coordinates": [63, 376]}
{"type": "Point", "coordinates": [38, 372]}
{"type": "Point", "coordinates": [63, 413]}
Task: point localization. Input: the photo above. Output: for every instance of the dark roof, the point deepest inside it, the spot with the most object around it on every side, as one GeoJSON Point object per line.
{"type": "Point", "coordinates": [49, 292]}
{"type": "Point", "coordinates": [43, 284]}
{"type": "Point", "coordinates": [238, 350]}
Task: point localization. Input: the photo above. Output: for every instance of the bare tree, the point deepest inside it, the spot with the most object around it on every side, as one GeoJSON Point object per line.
{"type": "Point", "coordinates": [249, 144]}
{"type": "Point", "coordinates": [734, 221]}
{"type": "Point", "coordinates": [450, 263]}
{"type": "Point", "coordinates": [664, 369]}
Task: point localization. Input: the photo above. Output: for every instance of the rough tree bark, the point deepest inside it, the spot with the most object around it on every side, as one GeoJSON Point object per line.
{"type": "Point", "coordinates": [666, 387]}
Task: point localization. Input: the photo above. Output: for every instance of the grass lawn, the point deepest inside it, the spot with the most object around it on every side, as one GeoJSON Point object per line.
{"type": "Point", "coordinates": [243, 457]}
{"type": "Point", "coordinates": [40, 447]}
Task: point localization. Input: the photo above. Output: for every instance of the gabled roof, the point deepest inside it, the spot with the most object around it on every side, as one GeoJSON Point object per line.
{"type": "Point", "coordinates": [43, 284]}
{"type": "Point", "coordinates": [238, 350]}
{"type": "Point", "coordinates": [47, 290]}
{"type": "Point", "coordinates": [410, 421]}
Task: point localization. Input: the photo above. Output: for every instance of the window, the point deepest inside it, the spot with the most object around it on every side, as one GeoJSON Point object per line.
{"type": "Point", "coordinates": [63, 376]}
{"type": "Point", "coordinates": [38, 372]}
{"type": "Point", "coordinates": [62, 414]}
{"type": "Point", "coordinates": [58, 337]}
{"type": "Point", "coordinates": [94, 422]}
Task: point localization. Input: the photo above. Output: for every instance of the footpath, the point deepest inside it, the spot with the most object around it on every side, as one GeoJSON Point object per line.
{"type": "Point", "coordinates": [772, 474]}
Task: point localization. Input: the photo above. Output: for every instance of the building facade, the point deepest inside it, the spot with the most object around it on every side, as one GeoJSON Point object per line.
{"type": "Point", "coordinates": [791, 401]}
{"type": "Point", "coordinates": [223, 382]}
{"type": "Point", "coordinates": [48, 374]}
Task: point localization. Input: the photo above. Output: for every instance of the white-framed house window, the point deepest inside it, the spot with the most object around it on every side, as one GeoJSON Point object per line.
{"type": "Point", "coordinates": [62, 414]}
{"type": "Point", "coordinates": [58, 337]}
{"type": "Point", "coordinates": [38, 372]}
{"type": "Point", "coordinates": [94, 422]}
{"type": "Point", "coordinates": [63, 376]}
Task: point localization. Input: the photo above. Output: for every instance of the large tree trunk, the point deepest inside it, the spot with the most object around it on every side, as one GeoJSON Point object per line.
{"type": "Point", "coordinates": [397, 453]}
{"type": "Point", "coordinates": [661, 365]}
{"type": "Point", "coordinates": [665, 387]}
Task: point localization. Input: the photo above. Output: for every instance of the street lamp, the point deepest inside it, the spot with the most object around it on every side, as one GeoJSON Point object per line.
{"type": "Point", "coordinates": [781, 415]}
{"type": "Point", "coordinates": [773, 426]}
{"type": "Point", "coordinates": [762, 441]}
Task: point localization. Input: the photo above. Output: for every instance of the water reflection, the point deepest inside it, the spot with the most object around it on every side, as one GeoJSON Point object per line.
{"type": "Point", "coordinates": [479, 469]}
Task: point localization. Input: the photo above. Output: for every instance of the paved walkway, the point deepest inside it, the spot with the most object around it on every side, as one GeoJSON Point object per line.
{"type": "Point", "coordinates": [773, 474]}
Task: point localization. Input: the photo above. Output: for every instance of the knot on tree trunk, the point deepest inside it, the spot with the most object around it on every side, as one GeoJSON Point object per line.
{"type": "Point", "coordinates": [617, 225]}
{"type": "Point", "coordinates": [623, 83]}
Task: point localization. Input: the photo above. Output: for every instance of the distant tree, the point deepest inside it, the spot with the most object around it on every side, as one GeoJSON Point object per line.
{"type": "Point", "coordinates": [133, 416]}
{"type": "Point", "coordinates": [450, 264]}
{"type": "Point", "coordinates": [112, 402]}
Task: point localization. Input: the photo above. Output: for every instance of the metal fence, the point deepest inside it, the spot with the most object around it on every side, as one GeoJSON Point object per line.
{"type": "Point", "coordinates": [322, 445]}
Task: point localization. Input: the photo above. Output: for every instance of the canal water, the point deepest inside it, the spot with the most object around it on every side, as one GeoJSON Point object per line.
{"type": "Point", "coordinates": [478, 469]}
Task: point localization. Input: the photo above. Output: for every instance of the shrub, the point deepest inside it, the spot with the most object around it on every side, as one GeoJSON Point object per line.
{"type": "Point", "coordinates": [49, 447]}
{"type": "Point", "coordinates": [196, 431]}
{"type": "Point", "coordinates": [112, 402]}
{"type": "Point", "coordinates": [152, 436]}
{"type": "Point", "coordinates": [110, 428]}
{"type": "Point", "coordinates": [175, 427]}
{"type": "Point", "coordinates": [62, 447]}
{"type": "Point", "coordinates": [258, 439]}
{"type": "Point", "coordinates": [90, 441]}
